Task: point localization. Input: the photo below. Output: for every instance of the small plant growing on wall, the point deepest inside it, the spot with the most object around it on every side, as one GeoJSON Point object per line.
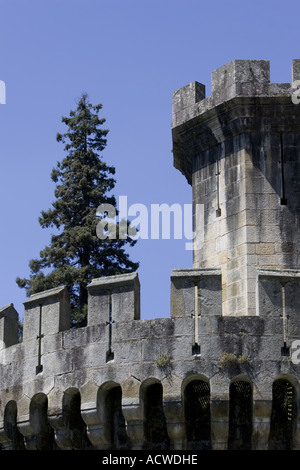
{"type": "Point", "coordinates": [243, 359]}
{"type": "Point", "coordinates": [227, 360]}
{"type": "Point", "coordinates": [162, 360]}
{"type": "Point", "coordinates": [230, 360]}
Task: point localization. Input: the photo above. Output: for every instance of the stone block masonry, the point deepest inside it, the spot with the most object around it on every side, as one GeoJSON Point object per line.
{"type": "Point", "coordinates": [239, 149]}
{"type": "Point", "coordinates": [222, 371]}
{"type": "Point", "coordinates": [78, 389]}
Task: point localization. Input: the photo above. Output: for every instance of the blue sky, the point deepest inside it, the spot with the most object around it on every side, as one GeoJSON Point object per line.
{"type": "Point", "coordinates": [129, 55]}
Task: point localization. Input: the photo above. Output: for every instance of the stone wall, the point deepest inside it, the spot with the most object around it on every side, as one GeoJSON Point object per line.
{"type": "Point", "coordinates": [60, 382]}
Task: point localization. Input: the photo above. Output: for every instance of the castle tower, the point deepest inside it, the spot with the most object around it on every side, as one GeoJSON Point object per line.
{"type": "Point", "coordinates": [240, 151]}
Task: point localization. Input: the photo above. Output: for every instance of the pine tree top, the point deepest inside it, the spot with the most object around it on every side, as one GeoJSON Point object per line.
{"type": "Point", "coordinates": [83, 182]}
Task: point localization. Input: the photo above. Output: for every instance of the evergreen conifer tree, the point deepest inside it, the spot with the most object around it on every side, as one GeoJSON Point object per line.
{"type": "Point", "coordinates": [83, 182]}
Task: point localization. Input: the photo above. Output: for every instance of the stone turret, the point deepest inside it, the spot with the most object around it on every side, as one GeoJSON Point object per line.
{"type": "Point", "coordinates": [239, 149]}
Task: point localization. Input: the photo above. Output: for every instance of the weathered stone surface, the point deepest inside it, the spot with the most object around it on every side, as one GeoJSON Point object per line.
{"type": "Point", "coordinates": [52, 307]}
{"type": "Point", "coordinates": [8, 326]}
{"type": "Point", "coordinates": [114, 297]}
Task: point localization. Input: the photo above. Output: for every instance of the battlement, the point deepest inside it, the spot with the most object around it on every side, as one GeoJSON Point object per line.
{"type": "Point", "coordinates": [114, 303]}
{"type": "Point", "coordinates": [237, 79]}
{"type": "Point", "coordinates": [61, 376]}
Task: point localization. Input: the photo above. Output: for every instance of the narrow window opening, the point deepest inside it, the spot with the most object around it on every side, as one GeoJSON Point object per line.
{"type": "Point", "coordinates": [115, 419]}
{"type": "Point", "coordinates": [218, 210]}
{"type": "Point", "coordinates": [11, 428]}
{"type": "Point", "coordinates": [40, 336]}
{"type": "Point", "coordinates": [155, 425]}
{"type": "Point", "coordinates": [240, 416]}
{"type": "Point", "coordinates": [283, 416]}
{"type": "Point", "coordinates": [285, 350]}
{"type": "Point", "coordinates": [196, 346]}
{"type": "Point", "coordinates": [74, 421]}
{"type": "Point", "coordinates": [283, 199]}
{"type": "Point", "coordinates": [43, 436]}
{"type": "Point", "coordinates": [197, 415]}
{"type": "Point", "coordinates": [109, 353]}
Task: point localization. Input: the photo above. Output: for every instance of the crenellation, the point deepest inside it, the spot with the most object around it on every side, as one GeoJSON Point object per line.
{"type": "Point", "coordinates": [47, 312]}
{"type": "Point", "coordinates": [115, 296]}
{"type": "Point", "coordinates": [295, 70]}
{"type": "Point", "coordinates": [8, 326]}
{"type": "Point", "coordinates": [187, 96]}
{"type": "Point", "coordinates": [240, 78]}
